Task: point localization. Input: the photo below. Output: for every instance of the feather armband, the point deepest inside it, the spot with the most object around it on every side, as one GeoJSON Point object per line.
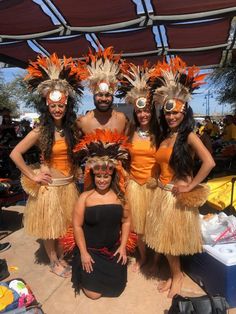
{"type": "Point", "coordinates": [195, 198]}
{"type": "Point", "coordinates": [29, 186]}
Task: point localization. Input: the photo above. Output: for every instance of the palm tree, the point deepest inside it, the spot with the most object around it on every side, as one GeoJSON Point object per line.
{"type": "Point", "coordinates": [224, 81]}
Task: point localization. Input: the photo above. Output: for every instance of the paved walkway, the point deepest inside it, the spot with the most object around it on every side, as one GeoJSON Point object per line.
{"type": "Point", "coordinates": [56, 295]}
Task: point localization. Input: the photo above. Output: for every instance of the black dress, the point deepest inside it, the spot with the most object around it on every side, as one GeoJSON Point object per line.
{"type": "Point", "coordinates": [102, 225]}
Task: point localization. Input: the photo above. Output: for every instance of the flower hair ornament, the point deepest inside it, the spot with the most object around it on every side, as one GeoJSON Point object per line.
{"type": "Point", "coordinates": [56, 79]}
{"type": "Point", "coordinates": [133, 85]}
{"type": "Point", "coordinates": [103, 151]}
{"type": "Point", "coordinates": [173, 83]}
{"type": "Point", "coordinates": [103, 70]}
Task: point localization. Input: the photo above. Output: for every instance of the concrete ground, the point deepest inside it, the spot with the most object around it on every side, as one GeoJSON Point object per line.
{"type": "Point", "coordinates": [25, 260]}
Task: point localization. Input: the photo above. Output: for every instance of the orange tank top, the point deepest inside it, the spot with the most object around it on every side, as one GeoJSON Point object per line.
{"type": "Point", "coordinates": [163, 158]}
{"type": "Point", "coordinates": [143, 161]}
{"type": "Point", "coordinates": [59, 158]}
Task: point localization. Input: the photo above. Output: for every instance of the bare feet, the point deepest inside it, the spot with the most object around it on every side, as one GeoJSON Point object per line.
{"type": "Point", "coordinates": [64, 263]}
{"type": "Point", "coordinates": [164, 285]}
{"type": "Point", "coordinates": [172, 284]}
{"type": "Point", "coordinates": [60, 270]}
{"type": "Point", "coordinates": [176, 285]}
{"type": "Point", "coordinates": [138, 265]}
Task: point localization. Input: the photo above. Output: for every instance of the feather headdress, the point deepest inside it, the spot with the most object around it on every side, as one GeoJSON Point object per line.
{"type": "Point", "coordinates": [104, 70]}
{"type": "Point", "coordinates": [133, 85]}
{"type": "Point", "coordinates": [56, 77]}
{"type": "Point", "coordinates": [103, 151]}
{"type": "Point", "coordinates": [173, 83]}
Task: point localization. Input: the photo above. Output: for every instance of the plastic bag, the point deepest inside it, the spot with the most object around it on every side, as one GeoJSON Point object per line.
{"type": "Point", "coordinates": [218, 228]}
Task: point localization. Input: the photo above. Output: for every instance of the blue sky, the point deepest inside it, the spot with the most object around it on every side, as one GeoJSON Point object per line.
{"type": "Point", "coordinates": [198, 102]}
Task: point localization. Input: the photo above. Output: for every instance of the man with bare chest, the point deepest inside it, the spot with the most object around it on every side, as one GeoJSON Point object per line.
{"type": "Point", "coordinates": [104, 69]}
{"type": "Point", "coordinates": [103, 116]}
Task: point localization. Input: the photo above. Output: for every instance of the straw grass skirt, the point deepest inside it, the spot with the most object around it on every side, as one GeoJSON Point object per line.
{"type": "Point", "coordinates": [138, 199]}
{"type": "Point", "coordinates": [49, 214]}
{"type": "Point", "coordinates": [171, 228]}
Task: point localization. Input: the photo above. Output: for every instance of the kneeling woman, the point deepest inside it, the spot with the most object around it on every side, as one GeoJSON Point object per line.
{"type": "Point", "coordinates": [101, 220]}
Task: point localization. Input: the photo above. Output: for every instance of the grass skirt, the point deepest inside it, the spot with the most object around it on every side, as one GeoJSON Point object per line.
{"type": "Point", "coordinates": [49, 214]}
{"type": "Point", "coordinates": [171, 228]}
{"type": "Point", "coordinates": [138, 200]}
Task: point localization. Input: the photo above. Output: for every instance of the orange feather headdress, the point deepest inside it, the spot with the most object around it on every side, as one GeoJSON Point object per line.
{"type": "Point", "coordinates": [103, 151]}
{"type": "Point", "coordinates": [133, 85]}
{"type": "Point", "coordinates": [104, 70]}
{"type": "Point", "coordinates": [55, 79]}
{"type": "Point", "coordinates": [173, 83]}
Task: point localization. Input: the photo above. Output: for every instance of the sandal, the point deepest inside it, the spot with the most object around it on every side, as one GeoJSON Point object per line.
{"type": "Point", "coordinates": [60, 270]}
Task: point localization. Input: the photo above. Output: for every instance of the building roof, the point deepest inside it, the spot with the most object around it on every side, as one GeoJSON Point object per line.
{"type": "Point", "coordinates": [201, 32]}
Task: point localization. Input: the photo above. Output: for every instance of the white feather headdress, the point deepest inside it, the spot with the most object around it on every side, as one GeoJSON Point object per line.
{"type": "Point", "coordinates": [103, 70]}
{"type": "Point", "coordinates": [48, 74]}
{"type": "Point", "coordinates": [174, 81]}
{"type": "Point", "coordinates": [134, 84]}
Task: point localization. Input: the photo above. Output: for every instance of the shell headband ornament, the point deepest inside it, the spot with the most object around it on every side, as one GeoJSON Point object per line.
{"type": "Point", "coordinates": [56, 79]}
{"type": "Point", "coordinates": [172, 84]}
{"type": "Point", "coordinates": [134, 85]}
{"type": "Point", "coordinates": [103, 70]}
{"type": "Point", "coordinates": [103, 151]}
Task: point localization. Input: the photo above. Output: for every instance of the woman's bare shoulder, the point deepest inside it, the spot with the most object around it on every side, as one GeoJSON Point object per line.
{"type": "Point", "coordinates": [35, 132]}
{"type": "Point", "coordinates": [193, 139]}
{"type": "Point", "coordinates": [86, 194]}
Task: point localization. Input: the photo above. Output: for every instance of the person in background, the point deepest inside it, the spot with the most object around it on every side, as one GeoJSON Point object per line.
{"type": "Point", "coordinates": [52, 191]}
{"type": "Point", "coordinates": [101, 218]}
{"type": "Point", "coordinates": [8, 136]}
{"type": "Point", "coordinates": [144, 137]}
{"type": "Point", "coordinates": [26, 128]}
{"type": "Point", "coordinates": [229, 130]}
{"type": "Point", "coordinates": [206, 140]}
{"type": "Point", "coordinates": [173, 225]}
{"type": "Point", "coordinates": [215, 131]}
{"type": "Point", "coordinates": [208, 126]}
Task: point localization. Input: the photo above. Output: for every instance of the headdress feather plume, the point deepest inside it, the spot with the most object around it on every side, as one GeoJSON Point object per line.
{"type": "Point", "coordinates": [104, 147]}
{"type": "Point", "coordinates": [48, 73]}
{"type": "Point", "coordinates": [174, 80]}
{"type": "Point", "coordinates": [103, 66]}
{"type": "Point", "coordinates": [134, 82]}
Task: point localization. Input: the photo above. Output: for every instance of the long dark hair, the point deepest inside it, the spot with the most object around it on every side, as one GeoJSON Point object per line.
{"type": "Point", "coordinates": [47, 129]}
{"type": "Point", "coordinates": [154, 128]}
{"type": "Point", "coordinates": [114, 185]}
{"type": "Point", "coordinates": [181, 160]}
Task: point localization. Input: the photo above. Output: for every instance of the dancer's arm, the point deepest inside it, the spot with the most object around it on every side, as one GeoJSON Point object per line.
{"type": "Point", "coordinates": [17, 156]}
{"type": "Point", "coordinates": [125, 230]}
{"type": "Point", "coordinates": [207, 164]}
{"type": "Point", "coordinates": [78, 221]}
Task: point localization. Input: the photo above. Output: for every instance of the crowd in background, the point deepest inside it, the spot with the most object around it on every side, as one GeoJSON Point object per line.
{"type": "Point", "coordinates": [215, 134]}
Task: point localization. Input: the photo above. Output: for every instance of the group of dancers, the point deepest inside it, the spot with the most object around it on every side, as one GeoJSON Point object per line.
{"type": "Point", "coordinates": [138, 175]}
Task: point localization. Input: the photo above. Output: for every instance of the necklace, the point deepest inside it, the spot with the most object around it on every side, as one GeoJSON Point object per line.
{"type": "Point", "coordinates": [60, 131]}
{"type": "Point", "coordinates": [172, 133]}
{"type": "Point", "coordinates": [143, 133]}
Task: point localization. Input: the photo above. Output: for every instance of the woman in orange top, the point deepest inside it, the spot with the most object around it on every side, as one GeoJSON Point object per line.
{"type": "Point", "coordinates": [143, 167]}
{"type": "Point", "coordinates": [143, 135]}
{"type": "Point", "coordinates": [52, 191]}
{"type": "Point", "coordinates": [174, 227]}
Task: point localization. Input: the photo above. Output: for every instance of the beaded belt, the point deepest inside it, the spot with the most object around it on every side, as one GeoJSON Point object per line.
{"type": "Point", "coordinates": [166, 187]}
{"type": "Point", "coordinates": [61, 181]}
